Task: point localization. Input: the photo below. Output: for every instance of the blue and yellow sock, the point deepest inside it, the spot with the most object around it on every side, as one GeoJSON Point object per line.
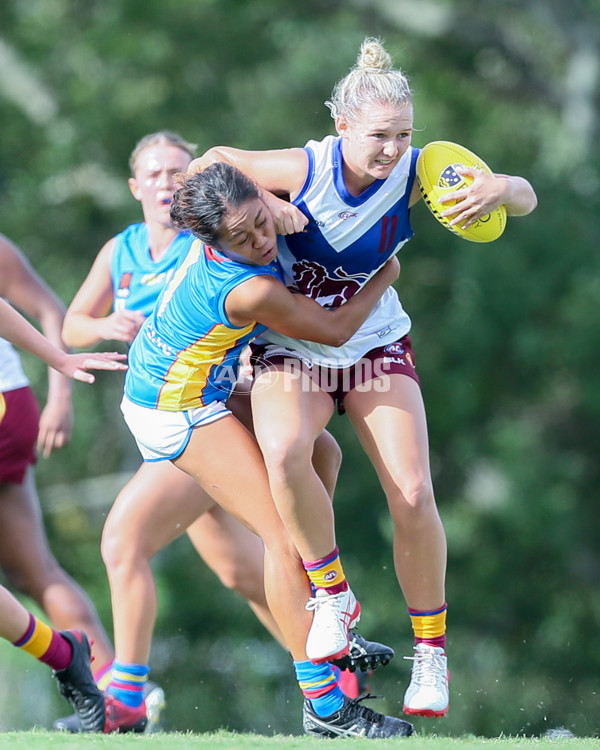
{"type": "Point", "coordinates": [327, 573]}
{"type": "Point", "coordinates": [103, 675]}
{"type": "Point", "coordinates": [127, 683]}
{"type": "Point", "coordinates": [429, 626]}
{"type": "Point", "coordinates": [45, 644]}
{"type": "Point", "coordinates": [319, 685]}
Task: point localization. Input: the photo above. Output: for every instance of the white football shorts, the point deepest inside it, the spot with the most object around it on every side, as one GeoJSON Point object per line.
{"type": "Point", "coordinates": [162, 435]}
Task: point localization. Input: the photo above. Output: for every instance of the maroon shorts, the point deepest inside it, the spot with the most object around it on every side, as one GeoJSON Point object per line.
{"type": "Point", "coordinates": [18, 434]}
{"type": "Point", "coordinates": [385, 360]}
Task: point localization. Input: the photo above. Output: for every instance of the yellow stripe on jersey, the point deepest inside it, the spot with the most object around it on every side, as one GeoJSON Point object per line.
{"type": "Point", "coordinates": [188, 375]}
{"type": "Point", "coordinates": [180, 273]}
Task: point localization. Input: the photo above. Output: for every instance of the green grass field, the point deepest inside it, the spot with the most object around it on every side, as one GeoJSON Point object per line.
{"type": "Point", "coordinates": [45, 740]}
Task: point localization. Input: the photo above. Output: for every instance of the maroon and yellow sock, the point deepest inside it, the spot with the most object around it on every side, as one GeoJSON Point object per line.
{"type": "Point", "coordinates": [45, 644]}
{"type": "Point", "coordinates": [327, 573]}
{"type": "Point", "coordinates": [429, 626]}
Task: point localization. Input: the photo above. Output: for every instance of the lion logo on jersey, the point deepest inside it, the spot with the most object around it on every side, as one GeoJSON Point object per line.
{"type": "Point", "coordinates": [313, 280]}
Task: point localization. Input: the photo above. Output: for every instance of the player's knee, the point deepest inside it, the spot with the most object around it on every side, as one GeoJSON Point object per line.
{"type": "Point", "coordinates": [328, 452]}
{"type": "Point", "coordinates": [334, 457]}
{"type": "Point", "coordinates": [411, 500]}
{"type": "Point", "coordinates": [288, 458]}
{"type": "Point", "coordinates": [327, 460]}
{"type": "Point", "coordinates": [246, 581]}
{"type": "Point", "coordinates": [118, 545]}
{"type": "Point", "coordinates": [114, 548]}
{"type": "Point", "coordinates": [35, 581]}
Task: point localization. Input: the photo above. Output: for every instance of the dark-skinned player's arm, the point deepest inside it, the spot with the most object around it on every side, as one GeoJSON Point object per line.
{"type": "Point", "coordinates": [266, 300]}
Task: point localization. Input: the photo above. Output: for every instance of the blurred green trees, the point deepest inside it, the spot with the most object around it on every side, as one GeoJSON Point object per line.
{"type": "Point", "coordinates": [507, 335]}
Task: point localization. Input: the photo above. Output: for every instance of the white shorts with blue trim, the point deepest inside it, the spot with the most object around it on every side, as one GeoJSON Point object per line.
{"type": "Point", "coordinates": [163, 435]}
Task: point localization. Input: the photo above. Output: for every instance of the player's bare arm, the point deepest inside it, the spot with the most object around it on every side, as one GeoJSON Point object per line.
{"type": "Point", "coordinates": [281, 171]}
{"type": "Point", "coordinates": [486, 193]}
{"type": "Point", "coordinates": [16, 329]}
{"type": "Point", "coordinates": [26, 290]}
{"type": "Point", "coordinates": [269, 302]}
{"type": "Point", "coordinates": [88, 319]}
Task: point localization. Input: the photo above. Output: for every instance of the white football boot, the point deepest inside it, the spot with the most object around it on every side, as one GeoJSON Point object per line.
{"type": "Point", "coordinates": [428, 692]}
{"type": "Point", "coordinates": [334, 615]}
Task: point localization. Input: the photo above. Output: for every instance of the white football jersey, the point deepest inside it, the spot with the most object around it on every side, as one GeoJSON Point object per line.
{"type": "Point", "coordinates": [348, 238]}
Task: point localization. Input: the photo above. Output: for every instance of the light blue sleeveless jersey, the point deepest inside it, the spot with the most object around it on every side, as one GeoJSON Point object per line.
{"type": "Point", "coordinates": [186, 354]}
{"type": "Point", "coordinates": [137, 279]}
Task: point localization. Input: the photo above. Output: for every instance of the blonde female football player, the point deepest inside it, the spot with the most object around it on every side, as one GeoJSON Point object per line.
{"type": "Point", "coordinates": [351, 196]}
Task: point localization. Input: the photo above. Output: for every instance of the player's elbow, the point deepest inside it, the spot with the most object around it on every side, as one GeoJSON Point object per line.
{"type": "Point", "coordinates": [73, 336]}
{"type": "Point", "coordinates": [531, 203]}
{"type": "Point", "coordinates": [212, 156]}
{"type": "Point", "coordinates": [338, 337]}
{"type": "Point", "coordinates": [525, 200]}
{"type": "Point", "coordinates": [66, 335]}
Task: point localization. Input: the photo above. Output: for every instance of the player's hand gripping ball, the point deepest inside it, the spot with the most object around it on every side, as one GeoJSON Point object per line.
{"type": "Point", "coordinates": [437, 176]}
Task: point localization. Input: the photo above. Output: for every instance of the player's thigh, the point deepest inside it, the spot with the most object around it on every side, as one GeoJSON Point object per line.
{"type": "Point", "coordinates": [156, 506]}
{"type": "Point", "coordinates": [389, 419]}
{"type": "Point", "coordinates": [289, 410]}
{"type": "Point", "coordinates": [226, 461]}
{"type": "Point", "coordinates": [240, 404]}
{"type": "Point", "coordinates": [23, 542]}
{"type": "Point", "coordinates": [229, 548]}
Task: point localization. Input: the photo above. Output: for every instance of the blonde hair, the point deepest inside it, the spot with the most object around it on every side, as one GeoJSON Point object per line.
{"type": "Point", "coordinates": [162, 136]}
{"type": "Point", "coordinates": [372, 80]}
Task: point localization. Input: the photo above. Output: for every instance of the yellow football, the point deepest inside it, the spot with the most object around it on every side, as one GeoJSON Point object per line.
{"type": "Point", "coordinates": [437, 176]}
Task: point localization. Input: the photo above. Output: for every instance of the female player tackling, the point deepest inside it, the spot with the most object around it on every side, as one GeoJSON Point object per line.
{"type": "Point", "coordinates": [182, 368]}
{"type": "Point", "coordinates": [120, 291]}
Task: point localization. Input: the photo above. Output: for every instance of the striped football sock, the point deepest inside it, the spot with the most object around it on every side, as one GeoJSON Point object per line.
{"type": "Point", "coordinates": [127, 683]}
{"type": "Point", "coordinates": [429, 626]}
{"type": "Point", "coordinates": [103, 675]}
{"type": "Point", "coordinates": [319, 685]}
{"type": "Point", "coordinates": [45, 644]}
{"type": "Point", "coordinates": [327, 573]}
